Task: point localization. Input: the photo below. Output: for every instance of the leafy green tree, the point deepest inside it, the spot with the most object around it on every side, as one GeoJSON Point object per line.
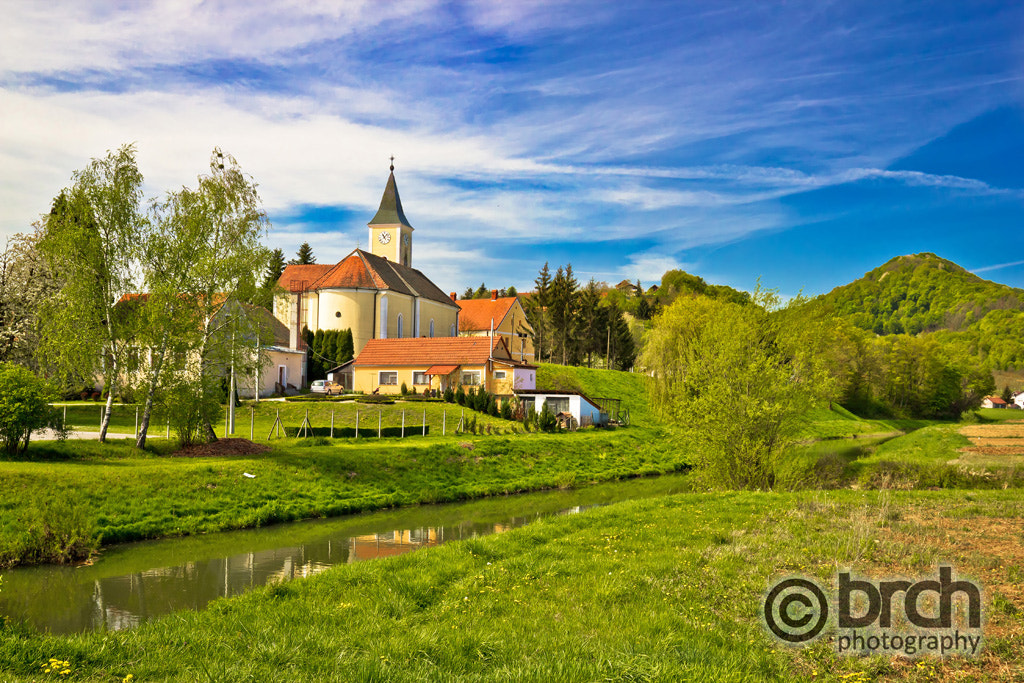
{"type": "Point", "coordinates": [730, 377]}
{"type": "Point", "coordinates": [304, 256]}
{"type": "Point", "coordinates": [90, 242]}
{"type": "Point", "coordinates": [1007, 394]}
{"type": "Point", "coordinates": [229, 224]}
{"type": "Point", "coordinates": [24, 407]}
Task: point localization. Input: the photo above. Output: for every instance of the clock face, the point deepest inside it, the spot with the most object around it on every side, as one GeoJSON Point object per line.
{"type": "Point", "coordinates": [384, 237]}
{"type": "Point", "coordinates": [405, 240]}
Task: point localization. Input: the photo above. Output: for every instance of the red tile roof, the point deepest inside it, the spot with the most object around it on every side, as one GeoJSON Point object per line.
{"type": "Point", "coordinates": [432, 351]}
{"type": "Point", "coordinates": [477, 314]}
{"type": "Point", "coordinates": [996, 400]}
{"type": "Point", "coordinates": [297, 278]}
{"type": "Point", "coordinates": [363, 270]}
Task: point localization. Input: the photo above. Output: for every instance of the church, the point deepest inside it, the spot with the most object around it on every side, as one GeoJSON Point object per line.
{"type": "Point", "coordinates": [377, 293]}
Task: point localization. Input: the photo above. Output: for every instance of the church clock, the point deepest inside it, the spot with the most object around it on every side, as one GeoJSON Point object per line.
{"type": "Point", "coordinates": [384, 237]}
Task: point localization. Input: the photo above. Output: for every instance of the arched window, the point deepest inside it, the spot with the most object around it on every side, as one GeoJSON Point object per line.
{"type": "Point", "coordinates": [451, 331]}
{"type": "Point", "coordinates": [383, 317]}
{"type": "Point", "coordinates": [431, 327]}
{"type": "Point", "coordinates": [400, 326]}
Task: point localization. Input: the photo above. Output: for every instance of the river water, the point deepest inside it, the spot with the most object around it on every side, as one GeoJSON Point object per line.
{"type": "Point", "coordinates": [135, 582]}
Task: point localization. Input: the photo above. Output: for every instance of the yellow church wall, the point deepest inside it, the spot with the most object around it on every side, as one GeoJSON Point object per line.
{"type": "Point", "coordinates": [399, 304]}
{"type": "Point", "coordinates": [443, 316]}
{"type": "Point", "coordinates": [356, 308]}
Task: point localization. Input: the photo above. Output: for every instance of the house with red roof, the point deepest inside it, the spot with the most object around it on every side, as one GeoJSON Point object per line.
{"type": "Point", "coordinates": [376, 293]}
{"type": "Point", "coordinates": [440, 363]}
{"type": "Point", "coordinates": [993, 402]}
{"type": "Point", "coordinates": [498, 316]}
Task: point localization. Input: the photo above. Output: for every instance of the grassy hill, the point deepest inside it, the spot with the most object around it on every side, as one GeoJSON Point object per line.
{"type": "Point", "coordinates": [921, 293]}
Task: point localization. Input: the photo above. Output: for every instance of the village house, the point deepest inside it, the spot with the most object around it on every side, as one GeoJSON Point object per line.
{"type": "Point", "coordinates": [377, 293]}
{"type": "Point", "coordinates": [993, 402]}
{"type": "Point", "coordinates": [439, 364]}
{"type": "Point", "coordinates": [498, 316]}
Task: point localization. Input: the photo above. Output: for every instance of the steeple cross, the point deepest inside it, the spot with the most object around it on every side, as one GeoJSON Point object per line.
{"type": "Point", "coordinates": [392, 162]}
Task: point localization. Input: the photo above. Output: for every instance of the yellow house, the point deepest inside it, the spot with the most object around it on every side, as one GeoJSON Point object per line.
{"type": "Point", "coordinates": [499, 316]}
{"type": "Point", "coordinates": [377, 293]}
{"type": "Point", "coordinates": [440, 363]}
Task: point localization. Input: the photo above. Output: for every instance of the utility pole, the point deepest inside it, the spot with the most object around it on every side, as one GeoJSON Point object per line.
{"type": "Point", "coordinates": [608, 350]}
{"type": "Point", "coordinates": [231, 391]}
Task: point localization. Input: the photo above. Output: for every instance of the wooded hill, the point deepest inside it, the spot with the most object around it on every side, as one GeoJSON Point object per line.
{"type": "Point", "coordinates": [923, 293]}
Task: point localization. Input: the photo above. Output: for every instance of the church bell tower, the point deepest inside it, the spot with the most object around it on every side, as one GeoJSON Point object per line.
{"type": "Point", "coordinates": [390, 232]}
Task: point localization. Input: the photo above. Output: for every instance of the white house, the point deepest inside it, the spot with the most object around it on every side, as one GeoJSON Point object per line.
{"type": "Point", "coordinates": [584, 410]}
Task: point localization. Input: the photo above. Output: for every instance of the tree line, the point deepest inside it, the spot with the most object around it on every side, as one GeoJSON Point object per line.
{"type": "Point", "coordinates": [575, 325]}
{"type": "Point", "coordinates": [734, 377]}
{"type": "Point", "coordinates": [160, 298]}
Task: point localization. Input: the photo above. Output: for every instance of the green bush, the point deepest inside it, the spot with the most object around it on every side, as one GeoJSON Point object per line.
{"type": "Point", "coordinates": [24, 407]}
{"type": "Point", "coordinates": [405, 389]}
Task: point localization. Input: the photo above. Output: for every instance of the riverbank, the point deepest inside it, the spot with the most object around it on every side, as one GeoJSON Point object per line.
{"type": "Point", "coordinates": [85, 494]}
{"type": "Point", "coordinates": [662, 589]}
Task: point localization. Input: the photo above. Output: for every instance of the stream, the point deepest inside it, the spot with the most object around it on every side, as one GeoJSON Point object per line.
{"type": "Point", "coordinates": [134, 582]}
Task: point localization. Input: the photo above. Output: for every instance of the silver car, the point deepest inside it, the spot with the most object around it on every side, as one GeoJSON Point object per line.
{"type": "Point", "coordinates": [325, 386]}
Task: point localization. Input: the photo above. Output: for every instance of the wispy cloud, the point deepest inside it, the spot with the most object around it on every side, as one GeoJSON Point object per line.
{"type": "Point", "coordinates": [530, 124]}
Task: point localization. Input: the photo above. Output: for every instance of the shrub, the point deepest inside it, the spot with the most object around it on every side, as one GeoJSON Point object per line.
{"type": "Point", "coordinates": [24, 407]}
{"type": "Point", "coordinates": [460, 396]}
{"type": "Point", "coordinates": [506, 409]}
{"type": "Point", "coordinates": [449, 395]}
{"type": "Point", "coordinates": [404, 389]}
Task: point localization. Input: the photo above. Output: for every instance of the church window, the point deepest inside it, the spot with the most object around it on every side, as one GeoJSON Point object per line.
{"type": "Point", "coordinates": [383, 318]}
{"type": "Point", "coordinates": [401, 326]}
{"type": "Point", "coordinates": [337, 314]}
{"type": "Point", "coordinates": [387, 378]}
{"type": "Point", "coordinates": [451, 331]}
{"type": "Point", "coordinates": [431, 327]}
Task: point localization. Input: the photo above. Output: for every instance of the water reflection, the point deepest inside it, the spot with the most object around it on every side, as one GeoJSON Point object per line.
{"type": "Point", "coordinates": [133, 583]}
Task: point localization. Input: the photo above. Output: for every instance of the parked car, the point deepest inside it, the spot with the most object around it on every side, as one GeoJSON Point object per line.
{"type": "Point", "coordinates": [325, 386]}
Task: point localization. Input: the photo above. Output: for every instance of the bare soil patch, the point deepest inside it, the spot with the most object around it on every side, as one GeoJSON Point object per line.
{"type": "Point", "coordinates": [223, 448]}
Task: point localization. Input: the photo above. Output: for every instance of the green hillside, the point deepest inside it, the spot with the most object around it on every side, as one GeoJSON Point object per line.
{"type": "Point", "coordinates": [629, 387]}
{"type": "Point", "coordinates": [923, 293]}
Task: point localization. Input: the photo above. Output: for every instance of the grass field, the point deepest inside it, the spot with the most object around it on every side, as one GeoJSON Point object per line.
{"type": "Point", "coordinates": [660, 590]}
{"type": "Point", "coordinates": [119, 494]}
{"type": "Point", "coordinates": [259, 418]}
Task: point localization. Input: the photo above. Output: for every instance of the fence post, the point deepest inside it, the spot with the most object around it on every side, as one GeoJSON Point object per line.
{"type": "Point", "coordinates": [168, 437]}
{"type": "Point", "coordinates": [278, 423]}
{"type": "Point", "coordinates": [378, 422]}
{"type": "Point", "coordinates": [332, 423]}
{"type": "Point", "coordinates": [424, 422]}
{"type": "Point", "coordinates": [136, 422]}
{"type": "Point", "coordinates": [403, 423]}
{"type": "Point", "coordinates": [252, 420]}
{"type": "Point", "coordinates": [307, 428]}
{"type": "Point", "coordinates": [357, 422]}
{"type": "Point", "coordinates": [444, 421]}
{"type": "Point", "coordinates": [64, 424]}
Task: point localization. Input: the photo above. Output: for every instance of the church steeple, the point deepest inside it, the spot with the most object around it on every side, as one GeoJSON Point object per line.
{"type": "Point", "coordinates": [390, 232]}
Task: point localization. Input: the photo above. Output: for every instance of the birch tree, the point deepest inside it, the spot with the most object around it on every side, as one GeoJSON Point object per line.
{"type": "Point", "coordinates": [224, 224]}
{"type": "Point", "coordinates": [90, 241]}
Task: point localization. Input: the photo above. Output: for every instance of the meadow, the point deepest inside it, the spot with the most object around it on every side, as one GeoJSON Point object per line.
{"type": "Point", "coordinates": [664, 589]}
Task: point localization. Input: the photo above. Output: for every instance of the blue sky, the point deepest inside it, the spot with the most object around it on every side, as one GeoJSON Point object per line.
{"type": "Point", "coordinates": [801, 144]}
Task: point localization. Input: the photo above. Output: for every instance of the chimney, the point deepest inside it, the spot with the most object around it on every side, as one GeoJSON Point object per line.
{"type": "Point", "coordinates": [452, 295]}
{"type": "Point", "coordinates": [494, 295]}
{"type": "Point", "coordinates": [293, 325]}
